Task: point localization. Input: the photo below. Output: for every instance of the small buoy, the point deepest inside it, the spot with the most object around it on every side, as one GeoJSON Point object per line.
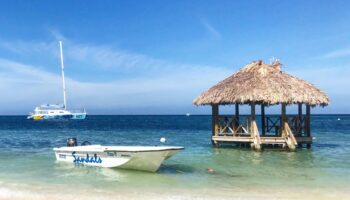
{"type": "Point", "coordinates": [162, 140]}
{"type": "Point", "coordinates": [338, 119]}
{"type": "Point", "coordinates": [210, 170]}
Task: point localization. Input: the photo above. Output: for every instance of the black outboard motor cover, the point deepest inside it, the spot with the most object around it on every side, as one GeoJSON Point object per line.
{"type": "Point", "coordinates": [72, 142]}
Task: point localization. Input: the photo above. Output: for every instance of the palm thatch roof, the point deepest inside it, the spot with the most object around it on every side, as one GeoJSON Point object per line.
{"type": "Point", "coordinates": [262, 83]}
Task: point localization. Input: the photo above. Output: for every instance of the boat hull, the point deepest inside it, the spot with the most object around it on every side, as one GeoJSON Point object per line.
{"type": "Point", "coordinates": [75, 116]}
{"type": "Point", "coordinates": [145, 160]}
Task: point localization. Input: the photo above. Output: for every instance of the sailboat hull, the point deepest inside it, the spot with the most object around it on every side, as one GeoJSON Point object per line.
{"type": "Point", "coordinates": [74, 116]}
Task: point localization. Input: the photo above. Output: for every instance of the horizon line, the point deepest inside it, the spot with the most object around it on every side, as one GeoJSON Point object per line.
{"type": "Point", "coordinates": [14, 115]}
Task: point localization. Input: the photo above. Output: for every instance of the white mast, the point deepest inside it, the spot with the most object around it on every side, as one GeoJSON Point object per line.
{"type": "Point", "coordinates": [63, 82]}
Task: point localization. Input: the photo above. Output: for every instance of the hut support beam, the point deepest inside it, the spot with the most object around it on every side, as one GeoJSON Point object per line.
{"type": "Point", "coordinates": [300, 119]}
{"type": "Point", "coordinates": [286, 132]}
{"type": "Point", "coordinates": [263, 126]}
{"type": "Point", "coordinates": [254, 130]}
{"type": "Point", "coordinates": [215, 121]}
{"type": "Point", "coordinates": [308, 123]}
{"type": "Point", "coordinates": [300, 110]}
{"type": "Point", "coordinates": [236, 115]}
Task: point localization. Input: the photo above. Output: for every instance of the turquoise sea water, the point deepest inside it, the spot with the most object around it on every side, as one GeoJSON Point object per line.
{"type": "Point", "coordinates": [28, 168]}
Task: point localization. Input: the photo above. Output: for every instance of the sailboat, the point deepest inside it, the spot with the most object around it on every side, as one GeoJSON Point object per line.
{"type": "Point", "coordinates": [57, 111]}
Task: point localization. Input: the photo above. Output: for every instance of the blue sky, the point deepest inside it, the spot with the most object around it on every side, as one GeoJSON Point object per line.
{"type": "Point", "coordinates": [155, 57]}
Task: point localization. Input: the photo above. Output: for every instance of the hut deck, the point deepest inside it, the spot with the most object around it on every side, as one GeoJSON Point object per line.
{"type": "Point", "coordinates": [264, 140]}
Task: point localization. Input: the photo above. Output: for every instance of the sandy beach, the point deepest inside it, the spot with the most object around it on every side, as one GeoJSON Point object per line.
{"type": "Point", "coordinates": [25, 192]}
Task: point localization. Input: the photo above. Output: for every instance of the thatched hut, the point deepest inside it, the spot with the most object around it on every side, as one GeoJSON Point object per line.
{"type": "Point", "coordinates": [265, 85]}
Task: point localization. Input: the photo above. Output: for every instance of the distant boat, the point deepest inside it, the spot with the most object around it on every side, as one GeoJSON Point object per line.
{"type": "Point", "coordinates": [56, 111]}
{"type": "Point", "coordinates": [145, 158]}
{"type": "Point", "coordinates": [188, 114]}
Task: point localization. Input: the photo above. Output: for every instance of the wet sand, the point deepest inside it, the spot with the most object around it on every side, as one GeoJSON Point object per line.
{"type": "Point", "coordinates": [58, 192]}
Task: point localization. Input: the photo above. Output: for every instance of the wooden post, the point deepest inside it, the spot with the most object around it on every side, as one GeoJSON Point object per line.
{"type": "Point", "coordinates": [300, 110]}
{"type": "Point", "coordinates": [254, 130]}
{"type": "Point", "coordinates": [215, 121]}
{"type": "Point", "coordinates": [284, 116]}
{"type": "Point", "coordinates": [286, 132]}
{"type": "Point", "coordinates": [237, 114]}
{"type": "Point", "coordinates": [308, 123]}
{"type": "Point", "coordinates": [251, 127]}
{"type": "Point", "coordinates": [299, 121]}
{"type": "Point", "coordinates": [253, 111]}
{"type": "Point", "coordinates": [252, 115]}
{"type": "Point", "coordinates": [263, 127]}
{"type": "Point", "coordinates": [283, 119]}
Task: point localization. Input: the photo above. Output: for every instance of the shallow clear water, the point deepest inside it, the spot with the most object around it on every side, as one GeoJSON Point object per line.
{"type": "Point", "coordinates": [27, 159]}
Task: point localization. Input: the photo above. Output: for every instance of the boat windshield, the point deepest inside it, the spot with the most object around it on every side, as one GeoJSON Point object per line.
{"type": "Point", "coordinates": [41, 112]}
{"type": "Point", "coordinates": [78, 111]}
{"type": "Point", "coordinates": [50, 107]}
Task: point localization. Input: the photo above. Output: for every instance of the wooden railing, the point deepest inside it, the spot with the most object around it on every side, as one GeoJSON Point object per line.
{"type": "Point", "coordinates": [273, 125]}
{"type": "Point", "coordinates": [296, 123]}
{"type": "Point", "coordinates": [231, 125]}
{"type": "Point", "coordinates": [242, 127]}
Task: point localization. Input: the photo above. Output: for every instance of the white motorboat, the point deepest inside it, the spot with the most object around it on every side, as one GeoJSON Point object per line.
{"type": "Point", "coordinates": [56, 111]}
{"type": "Point", "coordinates": [145, 158]}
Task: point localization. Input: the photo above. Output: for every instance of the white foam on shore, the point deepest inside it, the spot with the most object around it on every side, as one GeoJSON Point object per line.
{"type": "Point", "coordinates": [26, 192]}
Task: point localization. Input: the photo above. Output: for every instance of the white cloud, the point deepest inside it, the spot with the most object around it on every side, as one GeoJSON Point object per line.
{"type": "Point", "coordinates": [24, 86]}
{"type": "Point", "coordinates": [337, 54]}
{"type": "Point", "coordinates": [157, 83]}
{"type": "Point", "coordinates": [104, 56]}
{"type": "Point", "coordinates": [95, 56]}
{"type": "Point", "coordinates": [334, 80]}
{"type": "Point", "coordinates": [211, 29]}
{"type": "Point", "coordinates": [29, 48]}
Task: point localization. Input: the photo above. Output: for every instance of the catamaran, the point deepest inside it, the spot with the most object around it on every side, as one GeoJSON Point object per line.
{"type": "Point", "coordinates": [144, 158]}
{"type": "Point", "coordinates": [57, 111]}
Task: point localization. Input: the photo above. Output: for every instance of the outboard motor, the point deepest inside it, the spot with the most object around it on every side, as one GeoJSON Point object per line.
{"type": "Point", "coordinates": [72, 142]}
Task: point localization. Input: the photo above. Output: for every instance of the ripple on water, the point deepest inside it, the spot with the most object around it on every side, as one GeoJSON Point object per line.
{"type": "Point", "coordinates": [26, 150]}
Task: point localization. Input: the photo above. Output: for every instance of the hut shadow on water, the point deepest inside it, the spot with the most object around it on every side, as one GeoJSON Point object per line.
{"type": "Point", "coordinates": [246, 164]}
{"type": "Point", "coordinates": [176, 169]}
{"type": "Point", "coordinates": [327, 145]}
